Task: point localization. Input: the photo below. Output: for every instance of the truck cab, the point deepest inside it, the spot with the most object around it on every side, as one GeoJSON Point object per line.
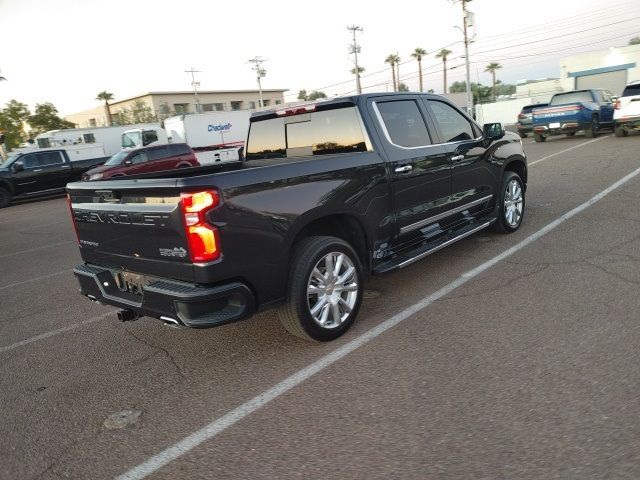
{"type": "Point", "coordinates": [143, 137]}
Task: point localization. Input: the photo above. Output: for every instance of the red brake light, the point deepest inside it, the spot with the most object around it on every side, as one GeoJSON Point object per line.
{"type": "Point", "coordinates": [285, 112]}
{"type": "Point", "coordinates": [201, 237]}
{"type": "Point", "coordinates": [73, 219]}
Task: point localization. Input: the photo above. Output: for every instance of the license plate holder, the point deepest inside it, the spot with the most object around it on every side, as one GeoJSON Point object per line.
{"type": "Point", "coordinates": [554, 125]}
{"type": "Point", "coordinates": [127, 282]}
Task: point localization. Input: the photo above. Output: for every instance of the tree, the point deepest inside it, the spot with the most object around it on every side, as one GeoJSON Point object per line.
{"type": "Point", "coordinates": [492, 68]}
{"type": "Point", "coordinates": [45, 118]}
{"type": "Point", "coordinates": [402, 87]}
{"type": "Point", "coordinates": [392, 60]}
{"type": "Point", "coordinates": [418, 53]}
{"type": "Point", "coordinates": [480, 93]}
{"type": "Point", "coordinates": [634, 41]}
{"type": "Point", "coordinates": [302, 95]}
{"type": "Point", "coordinates": [316, 94]}
{"type": "Point", "coordinates": [105, 96]}
{"type": "Point", "coordinates": [142, 113]}
{"type": "Point", "coordinates": [12, 119]}
{"type": "Point", "coordinates": [360, 70]}
{"type": "Point", "coordinates": [2, 79]}
{"type": "Point", "coordinates": [444, 54]}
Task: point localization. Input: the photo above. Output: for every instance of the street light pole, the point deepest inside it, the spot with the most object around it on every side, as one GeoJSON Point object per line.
{"type": "Point", "coordinates": [355, 48]}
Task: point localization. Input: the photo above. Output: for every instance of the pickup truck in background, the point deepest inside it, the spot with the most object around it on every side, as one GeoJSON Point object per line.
{"type": "Point", "coordinates": [571, 112]}
{"type": "Point", "coordinates": [44, 171]}
{"type": "Point", "coordinates": [627, 110]}
{"type": "Point", "coordinates": [328, 194]}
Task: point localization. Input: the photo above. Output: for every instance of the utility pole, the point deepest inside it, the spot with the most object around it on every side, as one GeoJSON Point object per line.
{"type": "Point", "coordinates": [467, 21]}
{"type": "Point", "coordinates": [355, 49]}
{"type": "Point", "coordinates": [195, 84]}
{"type": "Point", "coordinates": [260, 73]}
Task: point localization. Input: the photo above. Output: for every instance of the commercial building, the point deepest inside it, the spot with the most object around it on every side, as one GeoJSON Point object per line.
{"type": "Point", "coordinates": [610, 69]}
{"type": "Point", "coordinates": [160, 105]}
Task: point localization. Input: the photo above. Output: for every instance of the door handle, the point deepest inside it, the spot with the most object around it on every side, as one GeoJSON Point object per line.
{"type": "Point", "coordinates": [37, 170]}
{"type": "Point", "coordinates": [457, 158]}
{"type": "Point", "coordinates": [404, 169]}
{"type": "Point", "coordinates": [66, 166]}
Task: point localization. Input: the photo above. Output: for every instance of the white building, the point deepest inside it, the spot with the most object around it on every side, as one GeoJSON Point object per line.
{"type": "Point", "coordinates": [610, 69]}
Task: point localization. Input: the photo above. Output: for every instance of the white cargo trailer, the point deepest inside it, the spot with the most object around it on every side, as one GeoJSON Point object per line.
{"type": "Point", "coordinates": [110, 138]}
{"type": "Point", "coordinates": [214, 136]}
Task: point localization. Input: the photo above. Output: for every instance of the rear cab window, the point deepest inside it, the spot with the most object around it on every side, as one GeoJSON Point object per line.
{"type": "Point", "coordinates": [323, 132]}
{"type": "Point", "coordinates": [631, 90]}
{"type": "Point", "coordinates": [572, 97]}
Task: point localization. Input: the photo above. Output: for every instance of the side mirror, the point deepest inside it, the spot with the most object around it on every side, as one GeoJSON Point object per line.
{"type": "Point", "coordinates": [493, 131]}
{"type": "Point", "coordinates": [614, 98]}
{"type": "Point", "coordinates": [17, 166]}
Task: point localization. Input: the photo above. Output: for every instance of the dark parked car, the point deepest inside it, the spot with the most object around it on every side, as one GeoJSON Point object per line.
{"type": "Point", "coordinates": [329, 194]}
{"type": "Point", "coordinates": [44, 171]}
{"type": "Point", "coordinates": [524, 123]}
{"type": "Point", "coordinates": [145, 160]}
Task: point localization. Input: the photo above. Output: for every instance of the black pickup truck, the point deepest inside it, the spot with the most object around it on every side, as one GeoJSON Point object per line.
{"type": "Point", "coordinates": [327, 194]}
{"type": "Point", "coordinates": [38, 172]}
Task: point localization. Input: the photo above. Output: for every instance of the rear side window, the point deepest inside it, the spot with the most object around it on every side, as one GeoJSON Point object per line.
{"type": "Point", "coordinates": [453, 125]}
{"type": "Point", "coordinates": [179, 149]}
{"type": "Point", "coordinates": [50, 158]}
{"type": "Point", "coordinates": [631, 90]}
{"type": "Point", "coordinates": [159, 153]}
{"type": "Point", "coordinates": [318, 133]}
{"type": "Point", "coordinates": [404, 123]}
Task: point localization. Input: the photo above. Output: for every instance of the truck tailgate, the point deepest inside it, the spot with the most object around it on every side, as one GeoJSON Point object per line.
{"type": "Point", "coordinates": [560, 113]}
{"type": "Point", "coordinates": [134, 226]}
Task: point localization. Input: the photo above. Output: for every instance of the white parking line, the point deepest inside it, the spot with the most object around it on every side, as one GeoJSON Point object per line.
{"type": "Point", "coordinates": [35, 249]}
{"type": "Point", "coordinates": [41, 277]}
{"type": "Point", "coordinates": [220, 424]}
{"type": "Point", "coordinates": [531, 164]}
{"type": "Point", "coordinates": [54, 332]}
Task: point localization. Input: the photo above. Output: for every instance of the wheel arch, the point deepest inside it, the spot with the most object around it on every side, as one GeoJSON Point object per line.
{"type": "Point", "coordinates": [518, 165]}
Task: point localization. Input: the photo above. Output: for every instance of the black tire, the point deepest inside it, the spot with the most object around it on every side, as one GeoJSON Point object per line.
{"type": "Point", "coordinates": [595, 126]}
{"type": "Point", "coordinates": [522, 134]}
{"type": "Point", "coordinates": [571, 134]}
{"type": "Point", "coordinates": [502, 224]}
{"type": "Point", "coordinates": [539, 138]}
{"type": "Point", "coordinates": [295, 314]}
{"type": "Point", "coordinates": [5, 197]}
{"type": "Point", "coordinates": [620, 132]}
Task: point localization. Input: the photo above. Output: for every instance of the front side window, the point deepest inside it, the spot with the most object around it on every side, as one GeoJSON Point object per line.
{"type": "Point", "coordinates": [117, 159]}
{"type": "Point", "coordinates": [404, 123]}
{"type": "Point", "coordinates": [139, 158]}
{"type": "Point", "coordinates": [131, 139]}
{"type": "Point", "coordinates": [454, 126]}
{"type": "Point", "coordinates": [30, 161]}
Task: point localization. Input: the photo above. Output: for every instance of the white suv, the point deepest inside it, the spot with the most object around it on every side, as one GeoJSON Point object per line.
{"type": "Point", "coordinates": [626, 115]}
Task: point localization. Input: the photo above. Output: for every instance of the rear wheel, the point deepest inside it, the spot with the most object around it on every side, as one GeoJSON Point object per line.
{"type": "Point", "coordinates": [324, 291]}
{"type": "Point", "coordinates": [570, 134]}
{"type": "Point", "coordinates": [539, 138]}
{"type": "Point", "coordinates": [592, 131]}
{"type": "Point", "coordinates": [5, 197]}
{"type": "Point", "coordinates": [620, 132]}
{"type": "Point", "coordinates": [511, 204]}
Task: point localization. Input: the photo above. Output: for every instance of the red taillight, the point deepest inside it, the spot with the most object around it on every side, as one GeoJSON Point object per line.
{"type": "Point", "coordinates": [522, 116]}
{"type": "Point", "coordinates": [73, 219]}
{"type": "Point", "coordinates": [618, 105]}
{"type": "Point", "coordinates": [201, 237]}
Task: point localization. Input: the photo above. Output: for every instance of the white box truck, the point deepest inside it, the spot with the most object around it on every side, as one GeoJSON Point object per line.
{"type": "Point", "coordinates": [214, 136]}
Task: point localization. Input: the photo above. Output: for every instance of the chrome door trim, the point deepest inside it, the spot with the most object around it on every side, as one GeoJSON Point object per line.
{"type": "Point", "coordinates": [442, 215]}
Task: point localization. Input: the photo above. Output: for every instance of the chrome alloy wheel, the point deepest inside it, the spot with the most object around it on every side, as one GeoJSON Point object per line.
{"type": "Point", "coordinates": [332, 290]}
{"type": "Point", "coordinates": [513, 203]}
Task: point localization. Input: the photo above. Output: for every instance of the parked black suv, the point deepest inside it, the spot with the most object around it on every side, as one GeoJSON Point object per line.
{"type": "Point", "coordinates": [329, 194]}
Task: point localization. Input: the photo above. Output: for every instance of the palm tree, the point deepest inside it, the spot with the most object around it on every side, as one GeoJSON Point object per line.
{"type": "Point", "coordinates": [492, 67]}
{"type": "Point", "coordinates": [360, 70]}
{"type": "Point", "coordinates": [2, 79]}
{"type": "Point", "coordinates": [443, 54]}
{"type": "Point", "coordinates": [391, 60]}
{"type": "Point", "coordinates": [418, 53]}
{"type": "Point", "coordinates": [105, 97]}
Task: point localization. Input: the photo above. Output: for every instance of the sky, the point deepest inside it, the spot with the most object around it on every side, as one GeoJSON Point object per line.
{"type": "Point", "coordinates": [66, 51]}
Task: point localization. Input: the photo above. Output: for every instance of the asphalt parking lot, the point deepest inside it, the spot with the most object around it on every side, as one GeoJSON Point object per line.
{"type": "Point", "coordinates": [528, 368]}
